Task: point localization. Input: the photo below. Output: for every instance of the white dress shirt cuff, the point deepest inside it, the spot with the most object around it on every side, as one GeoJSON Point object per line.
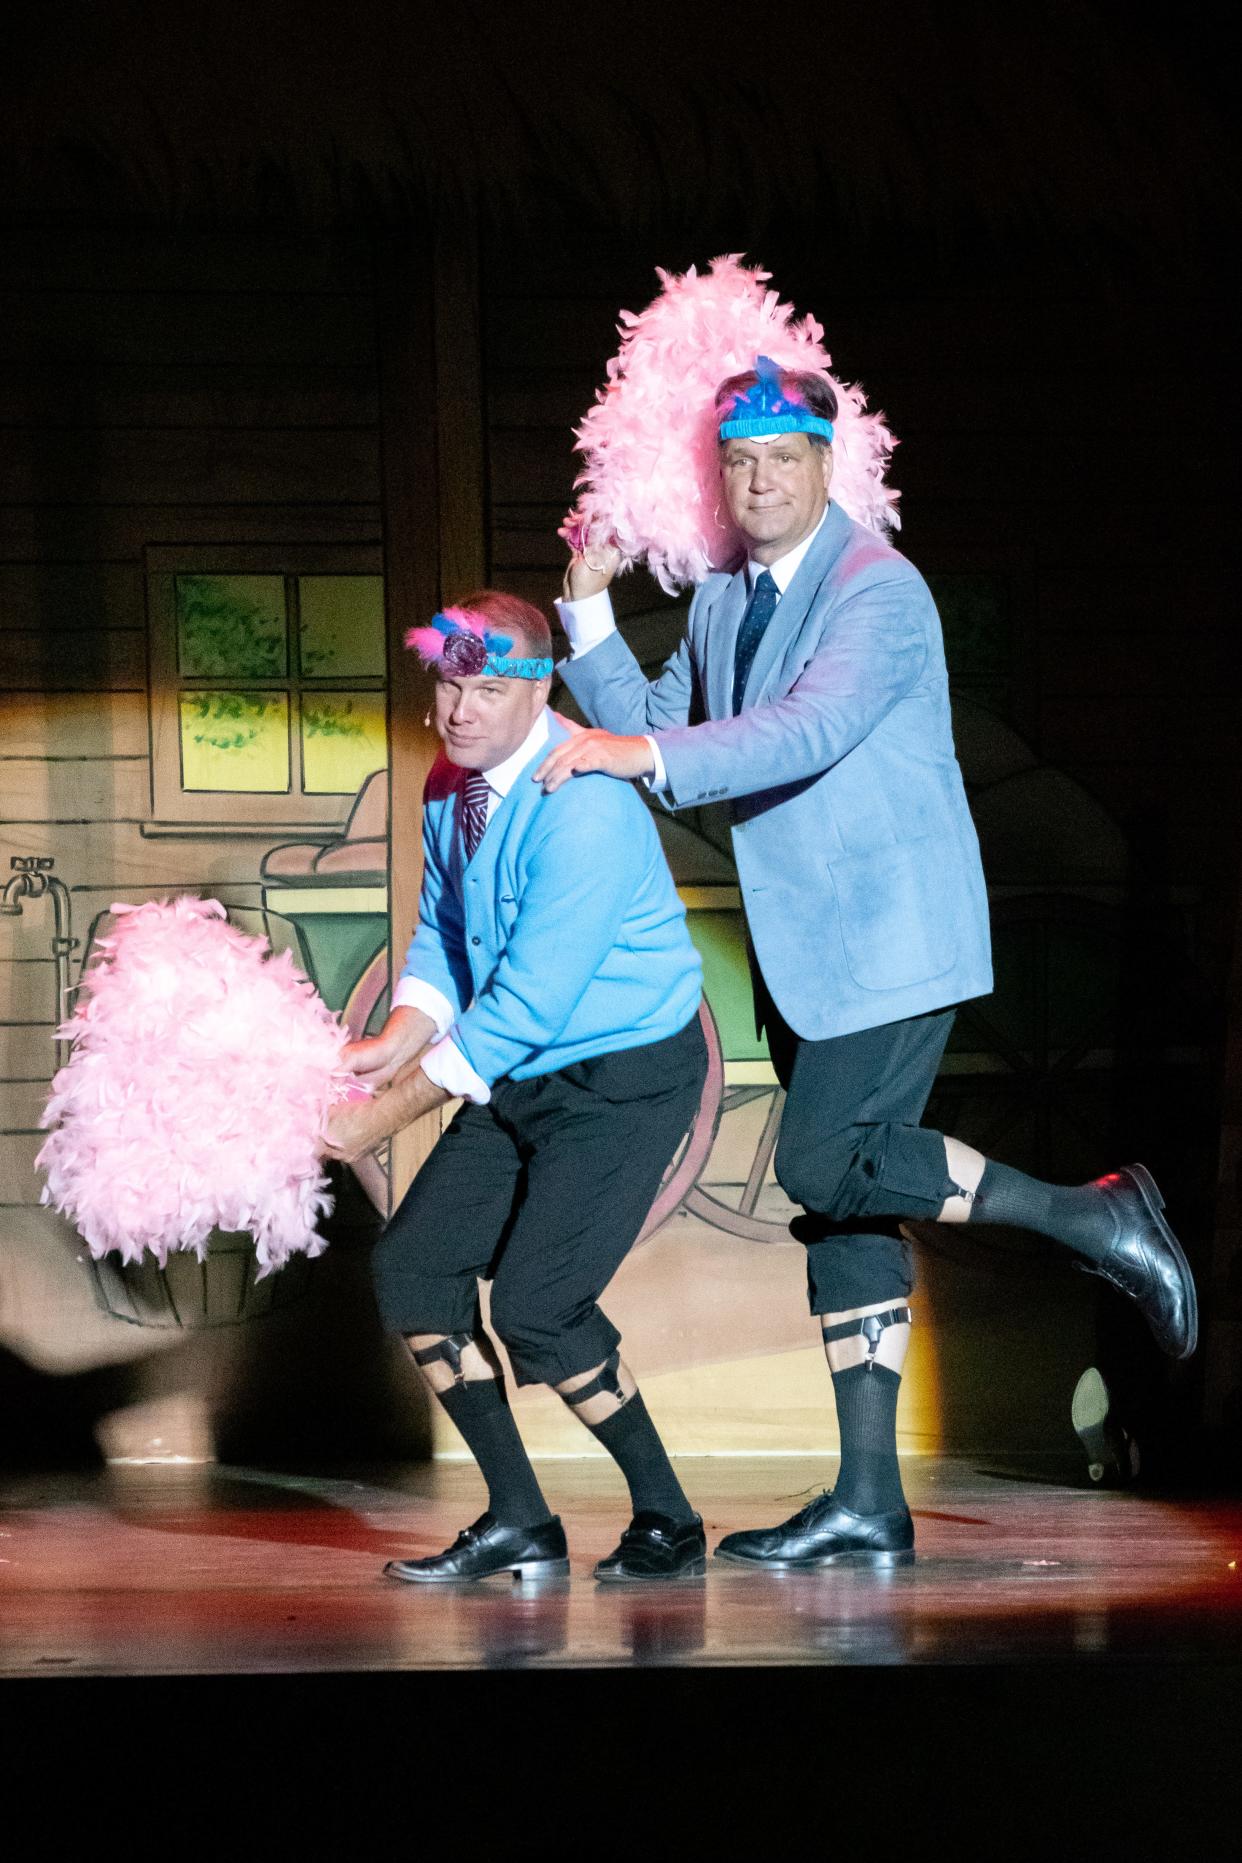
{"type": "Point", "coordinates": [446, 1066]}
{"type": "Point", "coordinates": [413, 993]}
{"type": "Point", "coordinates": [587, 622]}
{"type": "Point", "coordinates": [658, 781]}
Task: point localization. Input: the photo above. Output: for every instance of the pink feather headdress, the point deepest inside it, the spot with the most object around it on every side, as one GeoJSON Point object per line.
{"type": "Point", "coordinates": [460, 644]}
{"type": "Point", "coordinates": [456, 635]}
{"type": "Point", "coordinates": [202, 1071]}
{"type": "Point", "coordinates": [650, 483]}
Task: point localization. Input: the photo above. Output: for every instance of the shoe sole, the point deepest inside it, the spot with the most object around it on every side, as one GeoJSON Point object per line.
{"type": "Point", "coordinates": [873, 1561]}
{"type": "Point", "coordinates": [1108, 1449]}
{"type": "Point", "coordinates": [697, 1569]}
{"type": "Point", "coordinates": [1088, 1414]}
{"type": "Point", "coordinates": [1154, 1202]}
{"type": "Point", "coordinates": [532, 1572]}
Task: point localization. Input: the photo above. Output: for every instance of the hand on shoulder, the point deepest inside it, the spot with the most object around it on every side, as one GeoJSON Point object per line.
{"type": "Point", "coordinates": [595, 752]}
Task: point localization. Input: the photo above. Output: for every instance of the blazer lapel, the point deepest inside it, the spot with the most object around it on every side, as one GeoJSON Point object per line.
{"type": "Point", "coordinates": [719, 642]}
{"type": "Point", "coordinates": [795, 604]}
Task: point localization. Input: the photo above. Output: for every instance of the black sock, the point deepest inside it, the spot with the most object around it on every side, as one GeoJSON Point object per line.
{"type": "Point", "coordinates": [630, 1438]}
{"type": "Point", "coordinates": [480, 1409]}
{"type": "Point", "coordinates": [1075, 1214]}
{"type": "Point", "coordinates": [869, 1479]}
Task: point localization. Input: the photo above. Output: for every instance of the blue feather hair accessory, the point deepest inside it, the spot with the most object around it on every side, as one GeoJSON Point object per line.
{"type": "Point", "coordinates": [460, 643]}
{"type": "Point", "coordinates": [770, 407]}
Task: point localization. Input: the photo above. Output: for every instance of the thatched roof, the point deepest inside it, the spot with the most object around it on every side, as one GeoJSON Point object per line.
{"type": "Point", "coordinates": [1063, 117]}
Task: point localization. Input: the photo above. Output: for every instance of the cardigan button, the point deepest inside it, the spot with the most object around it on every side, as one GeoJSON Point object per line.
{"type": "Point", "coordinates": [476, 941]}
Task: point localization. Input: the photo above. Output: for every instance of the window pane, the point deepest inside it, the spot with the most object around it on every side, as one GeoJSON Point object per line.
{"type": "Point", "coordinates": [343, 740]}
{"type": "Point", "coordinates": [231, 627]}
{"type": "Point", "coordinates": [235, 741]}
{"type": "Point", "coordinates": [342, 626]}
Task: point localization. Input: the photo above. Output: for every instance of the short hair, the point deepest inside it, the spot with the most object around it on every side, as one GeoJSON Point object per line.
{"type": "Point", "coordinates": [509, 614]}
{"type": "Point", "coordinates": [816, 390]}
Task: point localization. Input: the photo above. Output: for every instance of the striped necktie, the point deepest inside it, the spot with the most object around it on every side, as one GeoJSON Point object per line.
{"type": "Point", "coordinates": [763, 599]}
{"type": "Point", "coordinates": [474, 810]}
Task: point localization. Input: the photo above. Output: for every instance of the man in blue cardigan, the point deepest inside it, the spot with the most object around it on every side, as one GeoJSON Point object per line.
{"type": "Point", "coordinates": [810, 693]}
{"type": "Point", "coordinates": [552, 986]}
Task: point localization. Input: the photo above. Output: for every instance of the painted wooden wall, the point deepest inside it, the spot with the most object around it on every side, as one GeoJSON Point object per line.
{"type": "Point", "coordinates": [155, 390]}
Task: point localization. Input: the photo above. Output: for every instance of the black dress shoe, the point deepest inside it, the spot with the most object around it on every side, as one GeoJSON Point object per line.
{"type": "Point", "coordinates": [654, 1546]}
{"type": "Point", "coordinates": [825, 1533]}
{"type": "Point", "coordinates": [1112, 1453]}
{"type": "Point", "coordinates": [487, 1547]}
{"type": "Point", "coordinates": [1146, 1261]}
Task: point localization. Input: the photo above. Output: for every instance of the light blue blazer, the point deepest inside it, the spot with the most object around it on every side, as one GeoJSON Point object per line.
{"type": "Point", "coordinates": [564, 937]}
{"type": "Point", "coordinates": [856, 855]}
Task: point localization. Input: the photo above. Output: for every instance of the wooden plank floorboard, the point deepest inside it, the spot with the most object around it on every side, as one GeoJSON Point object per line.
{"type": "Point", "coordinates": [161, 1571]}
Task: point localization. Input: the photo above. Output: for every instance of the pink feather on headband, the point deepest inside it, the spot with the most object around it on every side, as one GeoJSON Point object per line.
{"type": "Point", "coordinates": [650, 483]}
{"type": "Point", "coordinates": [428, 642]}
{"type": "Point", "coordinates": [203, 1068]}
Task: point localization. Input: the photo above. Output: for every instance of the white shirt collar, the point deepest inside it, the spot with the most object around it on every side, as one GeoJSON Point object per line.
{"type": "Point", "coordinates": [783, 570]}
{"type": "Point", "coordinates": [505, 774]}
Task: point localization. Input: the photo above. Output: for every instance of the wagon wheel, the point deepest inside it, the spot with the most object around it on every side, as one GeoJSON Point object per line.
{"type": "Point", "coordinates": [695, 1149]}
{"type": "Point", "coordinates": [740, 1219]}
{"type": "Point", "coordinates": [360, 1015]}
{"type": "Point", "coordinates": [366, 1009]}
{"type": "Point", "coordinates": [682, 1187]}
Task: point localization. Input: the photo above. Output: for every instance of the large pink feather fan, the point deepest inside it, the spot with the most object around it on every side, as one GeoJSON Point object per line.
{"type": "Point", "coordinates": [650, 477]}
{"type": "Point", "coordinates": [201, 1073]}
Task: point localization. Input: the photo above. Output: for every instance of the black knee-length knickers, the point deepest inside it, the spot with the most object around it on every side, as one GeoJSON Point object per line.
{"type": "Point", "coordinates": [542, 1192]}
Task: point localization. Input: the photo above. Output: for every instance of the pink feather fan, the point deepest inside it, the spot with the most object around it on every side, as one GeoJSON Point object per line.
{"type": "Point", "coordinates": [650, 477]}
{"type": "Point", "coordinates": [202, 1071]}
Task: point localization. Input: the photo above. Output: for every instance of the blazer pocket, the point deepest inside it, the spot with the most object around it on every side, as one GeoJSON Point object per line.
{"type": "Point", "coordinates": [898, 912]}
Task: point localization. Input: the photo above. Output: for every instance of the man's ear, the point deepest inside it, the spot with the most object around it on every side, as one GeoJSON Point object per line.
{"type": "Point", "coordinates": [827, 462]}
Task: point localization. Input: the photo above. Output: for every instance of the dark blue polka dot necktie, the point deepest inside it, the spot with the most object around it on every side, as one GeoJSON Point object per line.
{"type": "Point", "coordinates": [474, 810]}
{"type": "Point", "coordinates": [759, 609]}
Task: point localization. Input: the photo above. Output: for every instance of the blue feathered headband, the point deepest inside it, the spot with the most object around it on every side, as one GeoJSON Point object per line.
{"type": "Point", "coordinates": [460, 644]}
{"type": "Point", "coordinates": [771, 408]}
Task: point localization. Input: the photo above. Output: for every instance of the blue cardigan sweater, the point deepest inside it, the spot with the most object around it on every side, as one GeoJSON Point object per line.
{"type": "Point", "coordinates": [564, 937]}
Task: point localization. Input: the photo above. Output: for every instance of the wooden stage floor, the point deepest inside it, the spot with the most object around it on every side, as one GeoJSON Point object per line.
{"type": "Point", "coordinates": [210, 1655]}
{"type": "Point", "coordinates": [206, 1570]}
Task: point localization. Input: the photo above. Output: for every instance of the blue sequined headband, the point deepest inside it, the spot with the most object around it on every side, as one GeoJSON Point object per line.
{"type": "Point", "coordinates": [460, 644]}
{"type": "Point", "coordinates": [767, 408]}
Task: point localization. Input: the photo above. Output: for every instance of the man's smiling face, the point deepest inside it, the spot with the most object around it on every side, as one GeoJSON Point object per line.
{"type": "Point", "coordinates": [483, 718]}
{"type": "Point", "coordinates": [775, 490]}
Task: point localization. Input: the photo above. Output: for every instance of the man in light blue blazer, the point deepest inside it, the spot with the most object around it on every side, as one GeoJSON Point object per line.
{"type": "Point", "coordinates": [552, 986]}
{"type": "Point", "coordinates": [810, 693]}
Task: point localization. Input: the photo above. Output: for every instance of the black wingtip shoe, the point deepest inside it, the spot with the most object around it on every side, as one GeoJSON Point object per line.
{"type": "Point", "coordinates": [656, 1547]}
{"type": "Point", "coordinates": [824, 1533]}
{"type": "Point", "coordinates": [1112, 1453]}
{"type": "Point", "coordinates": [1146, 1260]}
{"type": "Point", "coordinates": [487, 1548]}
